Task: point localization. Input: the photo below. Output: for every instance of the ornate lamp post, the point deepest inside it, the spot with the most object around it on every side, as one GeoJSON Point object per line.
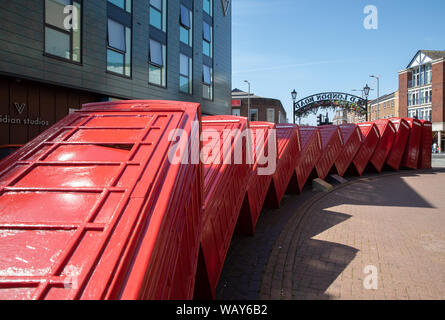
{"type": "Point", "coordinates": [378, 94]}
{"type": "Point", "coordinates": [366, 93]}
{"type": "Point", "coordinates": [294, 99]}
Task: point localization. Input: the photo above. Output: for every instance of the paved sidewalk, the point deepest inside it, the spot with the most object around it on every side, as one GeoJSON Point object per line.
{"type": "Point", "coordinates": [318, 245]}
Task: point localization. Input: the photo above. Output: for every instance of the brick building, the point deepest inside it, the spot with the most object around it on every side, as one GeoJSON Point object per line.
{"type": "Point", "coordinates": [421, 91]}
{"type": "Point", "coordinates": [261, 109]}
{"type": "Point", "coordinates": [385, 107]}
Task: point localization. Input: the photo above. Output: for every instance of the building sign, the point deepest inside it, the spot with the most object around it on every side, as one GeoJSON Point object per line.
{"type": "Point", "coordinates": [236, 103]}
{"type": "Point", "coordinates": [6, 119]}
{"type": "Point", "coordinates": [329, 100]}
{"type": "Point", "coordinates": [330, 96]}
{"type": "Point", "coordinates": [20, 107]}
{"type": "Point", "coordinates": [225, 6]}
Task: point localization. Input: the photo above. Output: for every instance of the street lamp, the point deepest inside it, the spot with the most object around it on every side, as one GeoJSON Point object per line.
{"type": "Point", "coordinates": [248, 101]}
{"type": "Point", "coordinates": [357, 90]}
{"type": "Point", "coordinates": [294, 99]}
{"type": "Point", "coordinates": [366, 93]}
{"type": "Point", "coordinates": [378, 94]}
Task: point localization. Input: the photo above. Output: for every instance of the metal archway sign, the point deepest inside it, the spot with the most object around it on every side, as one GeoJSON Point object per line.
{"type": "Point", "coordinates": [329, 100]}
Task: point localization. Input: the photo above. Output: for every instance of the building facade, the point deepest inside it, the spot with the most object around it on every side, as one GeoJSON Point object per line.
{"type": "Point", "coordinates": [340, 117]}
{"type": "Point", "coordinates": [261, 109]}
{"type": "Point", "coordinates": [421, 88]}
{"type": "Point", "coordinates": [56, 55]}
{"type": "Point", "coordinates": [385, 107]}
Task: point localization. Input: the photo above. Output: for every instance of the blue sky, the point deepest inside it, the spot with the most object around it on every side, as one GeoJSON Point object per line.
{"type": "Point", "coordinates": [320, 45]}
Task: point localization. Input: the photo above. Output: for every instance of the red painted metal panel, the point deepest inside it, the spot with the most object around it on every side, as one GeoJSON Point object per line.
{"type": "Point", "coordinates": [387, 135]}
{"type": "Point", "coordinates": [289, 151]}
{"type": "Point", "coordinates": [371, 138]}
{"type": "Point", "coordinates": [353, 139]}
{"type": "Point", "coordinates": [332, 146]}
{"type": "Point", "coordinates": [311, 152]}
{"type": "Point", "coordinates": [411, 156]}
{"type": "Point", "coordinates": [225, 185]}
{"type": "Point", "coordinates": [258, 182]}
{"type": "Point", "coordinates": [93, 209]}
{"type": "Point", "coordinates": [426, 145]}
{"type": "Point", "coordinates": [398, 148]}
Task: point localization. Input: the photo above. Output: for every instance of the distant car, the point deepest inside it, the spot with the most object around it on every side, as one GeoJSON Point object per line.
{"type": "Point", "coordinates": [6, 150]}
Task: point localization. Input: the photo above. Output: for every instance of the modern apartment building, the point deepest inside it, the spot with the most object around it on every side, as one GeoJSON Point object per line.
{"type": "Point", "coordinates": [56, 55]}
{"type": "Point", "coordinates": [421, 90]}
{"type": "Point", "coordinates": [261, 109]}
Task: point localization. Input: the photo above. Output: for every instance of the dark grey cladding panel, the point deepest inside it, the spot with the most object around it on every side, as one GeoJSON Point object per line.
{"type": "Point", "coordinates": [22, 43]}
{"type": "Point", "coordinates": [119, 15]}
{"type": "Point", "coordinates": [158, 35]}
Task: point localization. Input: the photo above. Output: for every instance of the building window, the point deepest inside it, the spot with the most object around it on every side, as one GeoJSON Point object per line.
{"type": "Point", "coordinates": [428, 73]}
{"type": "Point", "coordinates": [236, 112]}
{"type": "Point", "coordinates": [270, 115]}
{"type": "Point", "coordinates": [186, 22]}
{"type": "Point", "coordinates": [207, 7]}
{"type": "Point", "coordinates": [123, 4]}
{"type": "Point", "coordinates": [157, 63]}
{"type": "Point", "coordinates": [416, 77]}
{"type": "Point", "coordinates": [253, 114]}
{"type": "Point", "coordinates": [158, 18]}
{"type": "Point", "coordinates": [62, 33]}
{"type": "Point", "coordinates": [185, 74]}
{"type": "Point", "coordinates": [207, 82]}
{"type": "Point", "coordinates": [119, 48]}
{"type": "Point", "coordinates": [207, 36]}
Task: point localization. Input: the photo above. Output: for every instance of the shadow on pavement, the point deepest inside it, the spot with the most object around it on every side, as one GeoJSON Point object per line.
{"type": "Point", "coordinates": [390, 191]}
{"type": "Point", "coordinates": [248, 256]}
{"type": "Point", "coordinates": [319, 263]}
{"type": "Point", "coordinates": [314, 264]}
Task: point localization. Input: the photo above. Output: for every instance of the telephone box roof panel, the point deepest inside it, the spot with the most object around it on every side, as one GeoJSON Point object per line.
{"type": "Point", "coordinates": [311, 152]}
{"type": "Point", "coordinates": [353, 139]}
{"type": "Point", "coordinates": [398, 148]}
{"type": "Point", "coordinates": [332, 145]}
{"type": "Point", "coordinates": [289, 150]}
{"type": "Point", "coordinates": [225, 186]}
{"type": "Point", "coordinates": [426, 145]}
{"type": "Point", "coordinates": [371, 137]}
{"type": "Point", "coordinates": [84, 212]}
{"type": "Point", "coordinates": [260, 178]}
{"type": "Point", "coordinates": [411, 156]}
{"type": "Point", "coordinates": [387, 133]}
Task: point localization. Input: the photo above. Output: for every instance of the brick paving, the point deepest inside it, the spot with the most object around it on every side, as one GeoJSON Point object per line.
{"type": "Point", "coordinates": [318, 245]}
